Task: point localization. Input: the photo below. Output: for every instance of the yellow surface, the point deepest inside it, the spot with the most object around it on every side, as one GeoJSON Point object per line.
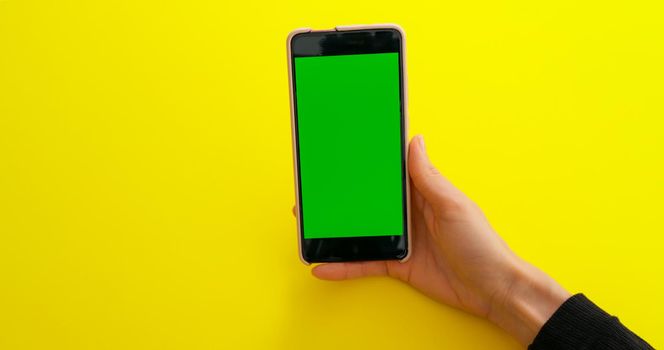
{"type": "Point", "coordinates": [146, 185]}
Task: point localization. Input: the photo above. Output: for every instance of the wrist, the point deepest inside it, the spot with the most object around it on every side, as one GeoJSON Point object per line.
{"type": "Point", "coordinates": [528, 301]}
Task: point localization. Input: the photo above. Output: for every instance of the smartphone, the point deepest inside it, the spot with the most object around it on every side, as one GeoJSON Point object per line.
{"type": "Point", "coordinates": [349, 128]}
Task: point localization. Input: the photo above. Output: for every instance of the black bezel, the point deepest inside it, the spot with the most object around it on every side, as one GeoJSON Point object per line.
{"type": "Point", "coordinates": [345, 43]}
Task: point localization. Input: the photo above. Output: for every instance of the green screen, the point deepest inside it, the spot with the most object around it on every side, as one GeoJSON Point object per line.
{"type": "Point", "coordinates": [349, 134]}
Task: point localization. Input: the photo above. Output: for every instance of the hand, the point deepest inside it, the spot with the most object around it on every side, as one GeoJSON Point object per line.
{"type": "Point", "coordinates": [459, 260]}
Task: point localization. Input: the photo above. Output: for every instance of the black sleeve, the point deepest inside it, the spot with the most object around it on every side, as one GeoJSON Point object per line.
{"type": "Point", "coordinates": [581, 325]}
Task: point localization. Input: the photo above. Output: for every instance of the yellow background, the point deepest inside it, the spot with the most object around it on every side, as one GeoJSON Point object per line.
{"type": "Point", "coordinates": [146, 176]}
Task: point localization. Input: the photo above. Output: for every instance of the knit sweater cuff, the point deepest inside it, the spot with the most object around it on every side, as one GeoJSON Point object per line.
{"type": "Point", "coordinates": [580, 324]}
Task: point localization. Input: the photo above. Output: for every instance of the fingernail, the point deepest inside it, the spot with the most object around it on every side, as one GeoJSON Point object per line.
{"type": "Point", "coordinates": [421, 141]}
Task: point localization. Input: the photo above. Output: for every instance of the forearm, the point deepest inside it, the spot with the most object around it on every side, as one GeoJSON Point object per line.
{"type": "Point", "coordinates": [539, 312]}
{"type": "Point", "coordinates": [531, 297]}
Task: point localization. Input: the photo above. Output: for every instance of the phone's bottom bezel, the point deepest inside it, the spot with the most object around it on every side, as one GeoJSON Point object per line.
{"type": "Point", "coordinates": [316, 250]}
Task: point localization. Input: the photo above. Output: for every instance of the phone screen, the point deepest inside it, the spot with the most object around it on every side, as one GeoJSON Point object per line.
{"type": "Point", "coordinates": [349, 133]}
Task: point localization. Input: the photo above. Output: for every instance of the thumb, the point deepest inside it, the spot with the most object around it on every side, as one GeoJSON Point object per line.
{"type": "Point", "coordinates": [433, 186]}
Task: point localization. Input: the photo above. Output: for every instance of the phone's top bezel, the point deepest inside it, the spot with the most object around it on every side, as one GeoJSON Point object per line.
{"type": "Point", "coordinates": [350, 41]}
{"type": "Point", "coordinates": [353, 42]}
